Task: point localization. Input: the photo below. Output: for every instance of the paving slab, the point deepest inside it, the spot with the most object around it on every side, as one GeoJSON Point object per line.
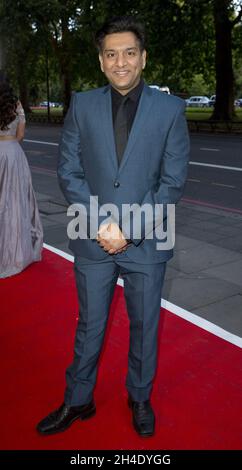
{"type": "Point", "coordinates": [226, 313]}
{"type": "Point", "coordinates": [194, 260]}
{"type": "Point", "coordinates": [231, 272]}
{"type": "Point", "coordinates": [194, 292]}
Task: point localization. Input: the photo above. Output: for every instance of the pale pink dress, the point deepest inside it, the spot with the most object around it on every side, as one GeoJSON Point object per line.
{"type": "Point", "coordinates": [21, 233]}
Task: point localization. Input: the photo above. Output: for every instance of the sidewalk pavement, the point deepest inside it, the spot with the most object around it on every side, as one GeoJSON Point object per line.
{"type": "Point", "coordinates": [205, 274]}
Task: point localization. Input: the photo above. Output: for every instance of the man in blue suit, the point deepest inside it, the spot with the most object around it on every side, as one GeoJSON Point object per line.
{"type": "Point", "coordinates": [127, 144]}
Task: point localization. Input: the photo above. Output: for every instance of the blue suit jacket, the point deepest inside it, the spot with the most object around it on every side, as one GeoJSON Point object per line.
{"type": "Point", "coordinates": [153, 168]}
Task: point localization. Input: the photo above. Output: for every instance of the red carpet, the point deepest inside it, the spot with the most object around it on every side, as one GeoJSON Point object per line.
{"type": "Point", "coordinates": [197, 392]}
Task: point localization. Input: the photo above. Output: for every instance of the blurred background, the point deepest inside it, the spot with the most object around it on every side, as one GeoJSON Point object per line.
{"type": "Point", "coordinates": [194, 49]}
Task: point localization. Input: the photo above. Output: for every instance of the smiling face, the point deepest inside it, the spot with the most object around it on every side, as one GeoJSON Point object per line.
{"type": "Point", "coordinates": [122, 61]}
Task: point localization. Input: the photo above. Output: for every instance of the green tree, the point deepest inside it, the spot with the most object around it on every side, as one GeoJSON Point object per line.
{"type": "Point", "coordinates": [225, 20]}
{"type": "Point", "coordinates": [190, 37]}
{"type": "Point", "coordinates": [200, 86]}
{"type": "Point", "coordinates": [187, 39]}
{"type": "Point", "coordinates": [19, 45]}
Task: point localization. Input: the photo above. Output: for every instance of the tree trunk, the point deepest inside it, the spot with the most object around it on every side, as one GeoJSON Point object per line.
{"type": "Point", "coordinates": [2, 53]}
{"type": "Point", "coordinates": [66, 86]}
{"type": "Point", "coordinates": [65, 64]}
{"type": "Point", "coordinates": [63, 54]}
{"type": "Point", "coordinates": [224, 105]}
{"type": "Point", "coordinates": [23, 86]}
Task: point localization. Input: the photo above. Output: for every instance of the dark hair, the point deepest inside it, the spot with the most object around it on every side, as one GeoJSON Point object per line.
{"type": "Point", "coordinates": [121, 24]}
{"type": "Point", "coordinates": [8, 103]}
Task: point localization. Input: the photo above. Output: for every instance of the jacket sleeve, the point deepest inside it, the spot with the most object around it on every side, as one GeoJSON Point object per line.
{"type": "Point", "coordinates": [172, 179]}
{"type": "Point", "coordinates": [71, 173]}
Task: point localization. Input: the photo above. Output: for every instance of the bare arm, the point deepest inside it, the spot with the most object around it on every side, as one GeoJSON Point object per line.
{"type": "Point", "coordinates": [21, 125]}
{"type": "Point", "coordinates": [20, 131]}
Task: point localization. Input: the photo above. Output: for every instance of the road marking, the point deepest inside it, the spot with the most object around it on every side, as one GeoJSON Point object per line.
{"type": "Point", "coordinates": [224, 185]}
{"type": "Point", "coordinates": [197, 202]}
{"type": "Point", "coordinates": [44, 171]}
{"type": "Point", "coordinates": [222, 167]}
{"type": "Point", "coordinates": [209, 150]}
{"type": "Point", "coordinates": [35, 152]}
{"type": "Point", "coordinates": [191, 163]}
{"type": "Point", "coordinates": [41, 142]}
{"type": "Point", "coordinates": [180, 312]}
{"type": "Point", "coordinates": [39, 152]}
{"type": "Point", "coordinates": [193, 180]}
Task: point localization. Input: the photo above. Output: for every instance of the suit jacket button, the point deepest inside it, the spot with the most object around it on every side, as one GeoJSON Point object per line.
{"type": "Point", "coordinates": [116, 184]}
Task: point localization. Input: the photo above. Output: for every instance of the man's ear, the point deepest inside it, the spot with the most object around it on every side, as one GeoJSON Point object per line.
{"type": "Point", "coordinates": [101, 61]}
{"type": "Point", "coordinates": [144, 56]}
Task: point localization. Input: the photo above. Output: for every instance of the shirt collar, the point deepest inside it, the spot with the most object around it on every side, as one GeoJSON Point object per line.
{"type": "Point", "coordinates": [133, 94]}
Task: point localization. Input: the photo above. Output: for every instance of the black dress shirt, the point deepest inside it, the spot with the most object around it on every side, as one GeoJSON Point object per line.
{"type": "Point", "coordinates": [131, 106]}
{"type": "Point", "coordinates": [132, 103]}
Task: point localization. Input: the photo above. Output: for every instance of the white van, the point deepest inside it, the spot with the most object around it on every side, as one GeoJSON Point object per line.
{"type": "Point", "coordinates": [165, 89]}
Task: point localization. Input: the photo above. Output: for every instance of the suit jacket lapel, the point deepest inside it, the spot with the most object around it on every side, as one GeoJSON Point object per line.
{"type": "Point", "coordinates": [139, 122]}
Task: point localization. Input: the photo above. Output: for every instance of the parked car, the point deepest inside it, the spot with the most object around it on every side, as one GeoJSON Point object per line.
{"type": "Point", "coordinates": [198, 101]}
{"type": "Point", "coordinates": [44, 104]}
{"type": "Point", "coordinates": [238, 103]}
{"type": "Point", "coordinates": [165, 89]}
{"type": "Point", "coordinates": [56, 104]}
{"type": "Point", "coordinates": [154, 86]}
{"type": "Point", "coordinates": [212, 100]}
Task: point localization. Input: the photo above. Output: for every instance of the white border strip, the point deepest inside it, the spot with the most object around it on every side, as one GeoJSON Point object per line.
{"type": "Point", "coordinates": [180, 312]}
{"type": "Point", "coordinates": [59, 252]}
{"type": "Point", "coordinates": [202, 323]}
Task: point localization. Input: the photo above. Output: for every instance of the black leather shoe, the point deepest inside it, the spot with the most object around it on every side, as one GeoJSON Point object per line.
{"type": "Point", "coordinates": [59, 420]}
{"type": "Point", "coordinates": [143, 417]}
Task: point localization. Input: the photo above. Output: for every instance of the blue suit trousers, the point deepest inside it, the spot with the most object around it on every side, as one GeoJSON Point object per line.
{"type": "Point", "coordinates": [96, 281]}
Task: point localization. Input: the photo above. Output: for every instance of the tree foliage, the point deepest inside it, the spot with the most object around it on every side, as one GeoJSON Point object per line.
{"type": "Point", "coordinates": [186, 39]}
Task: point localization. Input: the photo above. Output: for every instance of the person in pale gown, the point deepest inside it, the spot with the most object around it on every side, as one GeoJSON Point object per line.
{"type": "Point", "coordinates": [21, 233]}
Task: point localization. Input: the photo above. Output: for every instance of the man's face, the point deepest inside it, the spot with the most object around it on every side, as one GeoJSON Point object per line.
{"type": "Point", "coordinates": [122, 61]}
